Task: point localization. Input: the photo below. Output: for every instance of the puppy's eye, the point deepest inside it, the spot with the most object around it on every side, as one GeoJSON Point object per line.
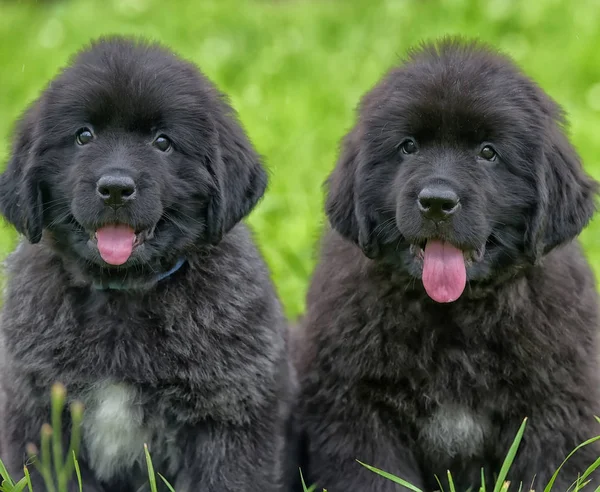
{"type": "Point", "coordinates": [488, 153]}
{"type": "Point", "coordinates": [408, 146]}
{"type": "Point", "coordinates": [162, 143]}
{"type": "Point", "coordinates": [84, 136]}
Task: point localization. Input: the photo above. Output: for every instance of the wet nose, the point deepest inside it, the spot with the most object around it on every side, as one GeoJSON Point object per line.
{"type": "Point", "coordinates": [115, 190]}
{"type": "Point", "coordinates": [438, 202]}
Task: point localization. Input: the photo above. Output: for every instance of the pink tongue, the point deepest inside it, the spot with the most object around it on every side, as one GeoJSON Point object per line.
{"type": "Point", "coordinates": [115, 243]}
{"type": "Point", "coordinates": [444, 272]}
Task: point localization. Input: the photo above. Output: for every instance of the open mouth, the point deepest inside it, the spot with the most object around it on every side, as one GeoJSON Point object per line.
{"type": "Point", "coordinates": [116, 242]}
{"type": "Point", "coordinates": [470, 255]}
{"type": "Point", "coordinates": [445, 267]}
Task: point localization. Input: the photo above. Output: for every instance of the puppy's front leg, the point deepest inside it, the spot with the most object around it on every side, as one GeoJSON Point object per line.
{"type": "Point", "coordinates": [234, 458]}
{"type": "Point", "coordinates": [334, 444]}
{"type": "Point", "coordinates": [342, 473]}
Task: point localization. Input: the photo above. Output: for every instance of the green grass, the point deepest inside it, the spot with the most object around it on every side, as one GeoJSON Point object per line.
{"type": "Point", "coordinates": [58, 468]}
{"type": "Point", "coordinates": [295, 70]}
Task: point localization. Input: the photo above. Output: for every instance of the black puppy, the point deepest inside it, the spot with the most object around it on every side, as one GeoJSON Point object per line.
{"type": "Point", "coordinates": [451, 300]}
{"type": "Point", "coordinates": [138, 287]}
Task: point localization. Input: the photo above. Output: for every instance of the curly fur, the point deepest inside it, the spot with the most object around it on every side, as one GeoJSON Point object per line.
{"type": "Point", "coordinates": [400, 382]}
{"type": "Point", "coordinates": [195, 365]}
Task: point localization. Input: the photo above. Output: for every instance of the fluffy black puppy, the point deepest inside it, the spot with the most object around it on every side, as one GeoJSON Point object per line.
{"type": "Point", "coordinates": [138, 287]}
{"type": "Point", "coordinates": [457, 174]}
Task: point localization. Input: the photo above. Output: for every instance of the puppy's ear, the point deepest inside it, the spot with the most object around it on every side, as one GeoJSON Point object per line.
{"type": "Point", "coordinates": [566, 196]}
{"type": "Point", "coordinates": [20, 194]}
{"type": "Point", "coordinates": [343, 206]}
{"type": "Point", "coordinates": [240, 178]}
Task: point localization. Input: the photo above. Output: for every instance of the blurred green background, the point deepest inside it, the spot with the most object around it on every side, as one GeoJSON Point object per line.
{"type": "Point", "coordinates": [295, 70]}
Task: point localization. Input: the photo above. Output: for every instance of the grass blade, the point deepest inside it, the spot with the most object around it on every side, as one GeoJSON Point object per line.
{"type": "Point", "coordinates": [582, 485]}
{"type": "Point", "coordinates": [391, 477]}
{"type": "Point", "coordinates": [169, 486]}
{"type": "Point", "coordinates": [75, 441]}
{"type": "Point", "coordinates": [304, 487]}
{"type": "Point", "coordinates": [553, 479]}
{"type": "Point", "coordinates": [77, 472]}
{"type": "Point", "coordinates": [510, 456]}
{"type": "Point", "coordinates": [28, 478]}
{"type": "Point", "coordinates": [482, 488]}
{"type": "Point", "coordinates": [20, 485]}
{"type": "Point", "coordinates": [5, 475]}
{"type": "Point", "coordinates": [44, 460]}
{"type": "Point", "coordinates": [151, 475]}
{"type": "Point", "coordinates": [590, 470]}
{"type": "Point", "coordinates": [57, 398]}
{"type": "Point", "coordinates": [451, 482]}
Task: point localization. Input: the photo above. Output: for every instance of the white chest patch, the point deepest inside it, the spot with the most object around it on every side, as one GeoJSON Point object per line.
{"type": "Point", "coordinates": [455, 431]}
{"type": "Point", "coordinates": [113, 431]}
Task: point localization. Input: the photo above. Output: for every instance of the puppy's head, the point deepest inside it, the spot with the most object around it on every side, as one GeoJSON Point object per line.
{"type": "Point", "coordinates": [456, 168]}
{"type": "Point", "coordinates": [129, 159]}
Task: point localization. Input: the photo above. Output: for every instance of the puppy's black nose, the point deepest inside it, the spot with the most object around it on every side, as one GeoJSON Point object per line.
{"type": "Point", "coordinates": [115, 190]}
{"type": "Point", "coordinates": [437, 202]}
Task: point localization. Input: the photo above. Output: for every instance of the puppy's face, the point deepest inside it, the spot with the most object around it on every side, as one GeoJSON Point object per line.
{"type": "Point", "coordinates": [457, 170]}
{"type": "Point", "coordinates": [129, 159]}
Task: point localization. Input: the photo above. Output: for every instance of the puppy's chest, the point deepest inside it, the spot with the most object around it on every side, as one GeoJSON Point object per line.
{"type": "Point", "coordinates": [115, 428]}
{"type": "Point", "coordinates": [118, 346]}
{"type": "Point", "coordinates": [450, 371]}
{"type": "Point", "coordinates": [453, 430]}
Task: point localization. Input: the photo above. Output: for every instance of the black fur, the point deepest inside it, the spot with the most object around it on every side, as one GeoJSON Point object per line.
{"type": "Point", "coordinates": [402, 383]}
{"type": "Point", "coordinates": [196, 364]}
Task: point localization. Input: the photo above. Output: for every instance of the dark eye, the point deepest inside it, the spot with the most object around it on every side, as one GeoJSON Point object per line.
{"type": "Point", "coordinates": [84, 136]}
{"type": "Point", "coordinates": [488, 153]}
{"type": "Point", "coordinates": [162, 143]}
{"type": "Point", "coordinates": [409, 146]}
